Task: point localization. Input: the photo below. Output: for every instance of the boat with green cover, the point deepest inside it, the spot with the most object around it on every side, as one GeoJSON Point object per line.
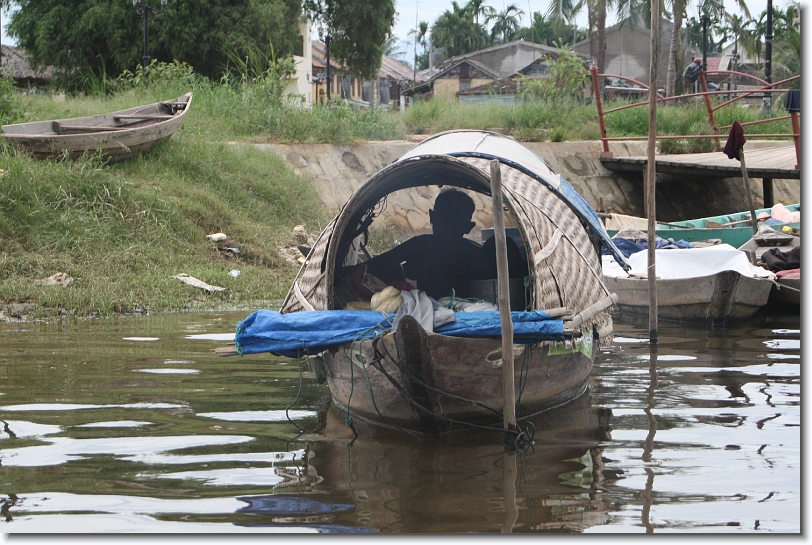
{"type": "Point", "coordinates": [734, 229]}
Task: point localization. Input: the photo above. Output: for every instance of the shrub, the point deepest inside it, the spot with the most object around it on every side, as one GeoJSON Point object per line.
{"type": "Point", "coordinates": [10, 109]}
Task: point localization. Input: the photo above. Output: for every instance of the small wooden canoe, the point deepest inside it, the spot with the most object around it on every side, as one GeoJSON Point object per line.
{"type": "Point", "coordinates": [117, 135]}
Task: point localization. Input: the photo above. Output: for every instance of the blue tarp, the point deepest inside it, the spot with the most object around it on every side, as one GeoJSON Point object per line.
{"type": "Point", "coordinates": [299, 333]}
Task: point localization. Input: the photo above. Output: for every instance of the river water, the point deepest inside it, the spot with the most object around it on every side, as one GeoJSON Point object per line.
{"type": "Point", "coordinates": [136, 425]}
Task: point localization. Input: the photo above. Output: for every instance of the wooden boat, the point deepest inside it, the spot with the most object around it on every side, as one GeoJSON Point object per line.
{"type": "Point", "coordinates": [428, 382]}
{"type": "Point", "coordinates": [117, 135]}
{"type": "Point", "coordinates": [712, 297]}
{"type": "Point", "coordinates": [716, 299]}
{"type": "Point", "coordinates": [786, 292]}
{"type": "Point", "coordinates": [734, 229]}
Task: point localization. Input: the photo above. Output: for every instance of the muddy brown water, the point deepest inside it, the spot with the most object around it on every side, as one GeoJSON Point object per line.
{"type": "Point", "coordinates": [135, 425]}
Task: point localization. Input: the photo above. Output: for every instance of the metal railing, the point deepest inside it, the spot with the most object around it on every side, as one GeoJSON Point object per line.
{"type": "Point", "coordinates": [764, 89]}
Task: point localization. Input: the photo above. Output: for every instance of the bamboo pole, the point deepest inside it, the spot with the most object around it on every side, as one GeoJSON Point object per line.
{"type": "Point", "coordinates": [651, 171]}
{"type": "Point", "coordinates": [508, 392]}
{"type": "Point", "coordinates": [746, 178]}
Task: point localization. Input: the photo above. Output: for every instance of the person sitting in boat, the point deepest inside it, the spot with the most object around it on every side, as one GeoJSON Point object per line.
{"type": "Point", "coordinates": [437, 263]}
{"type": "Point", "coordinates": [440, 262]}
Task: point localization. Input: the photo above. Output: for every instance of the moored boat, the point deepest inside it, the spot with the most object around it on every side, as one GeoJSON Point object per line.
{"type": "Point", "coordinates": [733, 229]}
{"type": "Point", "coordinates": [780, 252]}
{"type": "Point", "coordinates": [712, 285]}
{"type": "Point", "coordinates": [425, 381]}
{"type": "Point", "coordinates": [116, 135]}
{"type": "Point", "coordinates": [787, 291]}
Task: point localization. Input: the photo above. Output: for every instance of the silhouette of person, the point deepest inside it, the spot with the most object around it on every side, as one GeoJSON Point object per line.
{"type": "Point", "coordinates": [438, 262]}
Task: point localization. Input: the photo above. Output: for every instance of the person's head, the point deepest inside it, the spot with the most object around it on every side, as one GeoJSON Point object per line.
{"type": "Point", "coordinates": [452, 213]}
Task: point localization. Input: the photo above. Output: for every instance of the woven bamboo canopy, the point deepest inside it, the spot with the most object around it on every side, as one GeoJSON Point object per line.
{"type": "Point", "coordinates": [562, 240]}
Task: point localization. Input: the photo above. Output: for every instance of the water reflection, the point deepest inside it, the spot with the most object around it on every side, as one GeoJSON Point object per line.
{"type": "Point", "coordinates": [465, 481]}
{"type": "Point", "coordinates": [701, 435]}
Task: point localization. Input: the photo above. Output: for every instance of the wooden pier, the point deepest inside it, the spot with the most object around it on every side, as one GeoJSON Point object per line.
{"type": "Point", "coordinates": [778, 161]}
{"type": "Point", "coordinates": [767, 163]}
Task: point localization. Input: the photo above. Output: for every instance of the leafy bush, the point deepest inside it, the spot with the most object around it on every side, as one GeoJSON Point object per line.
{"type": "Point", "coordinates": [566, 80]}
{"type": "Point", "coordinates": [10, 109]}
{"type": "Point", "coordinates": [175, 74]}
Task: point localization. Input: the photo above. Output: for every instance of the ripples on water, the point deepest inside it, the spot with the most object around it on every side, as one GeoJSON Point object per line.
{"type": "Point", "coordinates": [135, 425]}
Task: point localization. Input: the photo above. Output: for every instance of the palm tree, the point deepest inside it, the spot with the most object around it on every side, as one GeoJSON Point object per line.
{"type": "Point", "coordinates": [544, 31]}
{"type": "Point", "coordinates": [457, 32]}
{"type": "Point", "coordinates": [420, 34]}
{"type": "Point", "coordinates": [506, 23]}
{"type": "Point", "coordinates": [565, 11]}
{"type": "Point", "coordinates": [477, 8]}
{"type": "Point", "coordinates": [678, 8]}
{"type": "Point", "coordinates": [390, 47]}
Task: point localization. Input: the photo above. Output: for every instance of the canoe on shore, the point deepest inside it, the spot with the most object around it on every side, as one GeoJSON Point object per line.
{"type": "Point", "coordinates": [412, 378]}
{"type": "Point", "coordinates": [116, 135]}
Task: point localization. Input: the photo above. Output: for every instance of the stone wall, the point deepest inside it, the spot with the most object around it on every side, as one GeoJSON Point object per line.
{"type": "Point", "coordinates": [337, 171]}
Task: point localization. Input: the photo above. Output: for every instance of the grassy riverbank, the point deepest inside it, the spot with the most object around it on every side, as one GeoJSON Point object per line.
{"type": "Point", "coordinates": [122, 230]}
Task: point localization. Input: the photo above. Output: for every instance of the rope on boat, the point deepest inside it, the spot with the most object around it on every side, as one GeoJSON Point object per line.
{"type": "Point", "coordinates": [372, 393]}
{"type": "Point", "coordinates": [349, 420]}
{"type": "Point", "coordinates": [380, 356]}
{"type": "Point", "coordinates": [522, 439]}
{"type": "Point", "coordinates": [292, 403]}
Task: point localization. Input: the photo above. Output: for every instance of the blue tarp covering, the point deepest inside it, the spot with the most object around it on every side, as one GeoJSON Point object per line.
{"type": "Point", "coordinates": [300, 333]}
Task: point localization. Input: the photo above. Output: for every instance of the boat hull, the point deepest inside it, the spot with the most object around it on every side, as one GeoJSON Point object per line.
{"type": "Point", "coordinates": [726, 296]}
{"type": "Point", "coordinates": [409, 372]}
{"type": "Point", "coordinates": [700, 229]}
{"type": "Point", "coordinates": [116, 140]}
{"type": "Point", "coordinates": [782, 296]}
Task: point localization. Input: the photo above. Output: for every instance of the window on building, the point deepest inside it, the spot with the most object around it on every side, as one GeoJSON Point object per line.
{"type": "Point", "coordinates": [298, 48]}
{"type": "Point", "coordinates": [465, 85]}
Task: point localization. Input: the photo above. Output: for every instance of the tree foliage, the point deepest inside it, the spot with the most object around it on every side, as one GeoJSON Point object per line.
{"type": "Point", "coordinates": [566, 79]}
{"type": "Point", "coordinates": [358, 31]}
{"type": "Point", "coordinates": [108, 34]}
{"type": "Point", "coordinates": [458, 32]}
{"type": "Point", "coordinates": [506, 23]}
{"type": "Point", "coordinates": [545, 31]}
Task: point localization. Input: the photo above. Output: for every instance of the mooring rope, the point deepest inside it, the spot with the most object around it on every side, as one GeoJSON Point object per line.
{"type": "Point", "coordinates": [523, 438]}
{"type": "Point", "coordinates": [299, 392]}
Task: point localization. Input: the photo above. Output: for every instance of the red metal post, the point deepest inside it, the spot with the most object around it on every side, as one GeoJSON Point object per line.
{"type": "Point", "coordinates": [796, 131]}
{"type": "Point", "coordinates": [709, 107]}
{"type": "Point", "coordinates": [597, 94]}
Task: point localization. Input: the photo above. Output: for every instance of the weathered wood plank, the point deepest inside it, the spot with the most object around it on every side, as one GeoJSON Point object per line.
{"type": "Point", "coordinates": [156, 116]}
{"type": "Point", "coordinates": [773, 162]}
{"type": "Point", "coordinates": [90, 128]}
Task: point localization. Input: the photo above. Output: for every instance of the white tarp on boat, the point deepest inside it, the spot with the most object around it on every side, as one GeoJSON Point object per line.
{"type": "Point", "coordinates": [688, 263]}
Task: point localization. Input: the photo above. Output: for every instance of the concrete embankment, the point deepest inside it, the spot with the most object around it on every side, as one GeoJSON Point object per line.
{"type": "Point", "coordinates": [337, 171]}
